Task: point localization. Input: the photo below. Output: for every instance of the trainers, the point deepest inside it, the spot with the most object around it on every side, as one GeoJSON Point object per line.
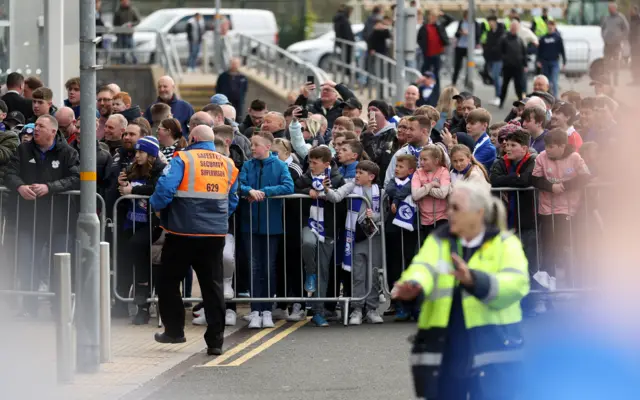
{"type": "Point", "coordinates": [244, 294]}
{"type": "Point", "coordinates": [200, 320]}
{"type": "Point", "coordinates": [333, 315]}
{"type": "Point", "coordinates": [495, 102]}
{"type": "Point", "coordinates": [230, 318]}
{"type": "Point", "coordinates": [319, 320]}
{"type": "Point", "coordinates": [198, 313]}
{"type": "Point", "coordinates": [228, 289]}
{"type": "Point", "coordinates": [142, 317]}
{"type": "Point", "coordinates": [373, 317]}
{"type": "Point", "coordinates": [402, 315]}
{"type": "Point", "coordinates": [247, 317]}
{"type": "Point", "coordinates": [297, 313]}
{"type": "Point", "coordinates": [267, 320]}
{"type": "Point", "coordinates": [310, 283]}
{"type": "Point", "coordinates": [279, 313]}
{"type": "Point", "coordinates": [256, 320]}
{"type": "Point", "coordinates": [356, 317]}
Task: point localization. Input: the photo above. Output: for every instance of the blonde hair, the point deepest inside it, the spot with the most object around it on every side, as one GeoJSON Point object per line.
{"type": "Point", "coordinates": [446, 103]}
{"type": "Point", "coordinates": [461, 148]}
{"type": "Point", "coordinates": [480, 198]}
{"type": "Point", "coordinates": [436, 153]}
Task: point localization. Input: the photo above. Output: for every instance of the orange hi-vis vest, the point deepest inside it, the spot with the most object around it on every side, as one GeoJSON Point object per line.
{"type": "Point", "coordinates": [200, 206]}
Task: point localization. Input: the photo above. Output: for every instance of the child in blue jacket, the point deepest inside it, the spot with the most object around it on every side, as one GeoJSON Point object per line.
{"type": "Point", "coordinates": [262, 177]}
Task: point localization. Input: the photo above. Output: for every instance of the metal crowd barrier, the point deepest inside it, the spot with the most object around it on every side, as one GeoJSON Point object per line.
{"type": "Point", "coordinates": [577, 238]}
{"type": "Point", "coordinates": [241, 251]}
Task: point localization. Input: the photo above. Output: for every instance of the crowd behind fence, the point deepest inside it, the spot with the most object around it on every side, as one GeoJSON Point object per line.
{"type": "Point", "coordinates": [28, 248]}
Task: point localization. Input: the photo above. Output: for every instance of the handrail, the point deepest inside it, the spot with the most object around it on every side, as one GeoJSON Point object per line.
{"type": "Point", "coordinates": [377, 72]}
{"type": "Point", "coordinates": [285, 68]}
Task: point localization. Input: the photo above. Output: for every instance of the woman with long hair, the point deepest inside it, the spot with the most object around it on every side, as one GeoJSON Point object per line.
{"type": "Point", "coordinates": [446, 106]}
{"type": "Point", "coordinates": [170, 137]}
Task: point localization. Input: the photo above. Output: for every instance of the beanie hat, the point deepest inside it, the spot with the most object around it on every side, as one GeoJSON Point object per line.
{"type": "Point", "coordinates": [28, 129]}
{"type": "Point", "coordinates": [149, 145]}
{"type": "Point", "coordinates": [382, 106]}
{"type": "Point", "coordinates": [510, 127]}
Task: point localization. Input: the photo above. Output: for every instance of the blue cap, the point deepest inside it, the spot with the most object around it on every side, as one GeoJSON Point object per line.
{"type": "Point", "coordinates": [429, 74]}
{"type": "Point", "coordinates": [149, 145]}
{"type": "Point", "coordinates": [219, 99]}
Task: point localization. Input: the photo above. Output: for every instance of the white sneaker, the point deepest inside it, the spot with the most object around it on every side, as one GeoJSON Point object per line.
{"type": "Point", "coordinates": [256, 321]}
{"type": "Point", "coordinates": [267, 321]}
{"type": "Point", "coordinates": [230, 318]}
{"type": "Point", "coordinates": [279, 313]}
{"type": "Point", "coordinates": [199, 312]}
{"type": "Point", "coordinates": [541, 307]}
{"type": "Point", "coordinates": [247, 317]}
{"type": "Point", "coordinates": [200, 320]}
{"type": "Point", "coordinates": [228, 289]}
{"type": "Point", "coordinates": [297, 313]}
{"type": "Point", "coordinates": [495, 102]}
{"type": "Point", "coordinates": [356, 317]}
{"type": "Point", "coordinates": [373, 317]}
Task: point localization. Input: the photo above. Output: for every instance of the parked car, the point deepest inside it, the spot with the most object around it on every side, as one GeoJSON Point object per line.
{"type": "Point", "coordinates": [260, 24]}
{"type": "Point", "coordinates": [318, 51]}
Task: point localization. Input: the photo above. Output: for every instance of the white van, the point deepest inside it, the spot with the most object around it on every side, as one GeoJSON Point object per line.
{"type": "Point", "coordinates": [260, 24]}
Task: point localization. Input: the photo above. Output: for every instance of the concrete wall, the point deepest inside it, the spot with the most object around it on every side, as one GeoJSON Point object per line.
{"type": "Point", "coordinates": [137, 80]}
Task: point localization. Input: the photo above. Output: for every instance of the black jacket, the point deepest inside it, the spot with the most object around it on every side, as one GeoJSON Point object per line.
{"type": "Point", "coordinates": [342, 27]}
{"type": "Point", "coordinates": [491, 48]}
{"type": "Point", "coordinates": [303, 186]}
{"type": "Point", "coordinates": [122, 159]}
{"type": "Point", "coordinates": [332, 114]}
{"type": "Point", "coordinates": [501, 177]}
{"type": "Point", "coordinates": [513, 51]}
{"type": "Point", "coordinates": [59, 169]}
{"type": "Point", "coordinates": [9, 143]}
{"type": "Point", "coordinates": [442, 23]}
{"type": "Point", "coordinates": [103, 167]}
{"type": "Point", "coordinates": [132, 113]}
{"type": "Point", "coordinates": [381, 148]}
{"type": "Point", "coordinates": [15, 102]}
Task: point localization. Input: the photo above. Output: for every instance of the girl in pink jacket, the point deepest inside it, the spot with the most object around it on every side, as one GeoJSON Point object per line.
{"type": "Point", "coordinates": [430, 188]}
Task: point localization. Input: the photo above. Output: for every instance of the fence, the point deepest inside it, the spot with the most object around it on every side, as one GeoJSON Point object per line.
{"type": "Point", "coordinates": [38, 255]}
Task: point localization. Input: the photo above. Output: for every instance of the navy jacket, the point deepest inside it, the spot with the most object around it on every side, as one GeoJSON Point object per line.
{"type": "Point", "coordinates": [235, 87]}
{"type": "Point", "coordinates": [180, 109]}
{"type": "Point", "coordinates": [272, 177]}
{"type": "Point", "coordinates": [551, 48]}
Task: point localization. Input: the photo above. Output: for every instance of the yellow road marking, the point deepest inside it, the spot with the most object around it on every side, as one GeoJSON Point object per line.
{"type": "Point", "coordinates": [253, 339]}
{"type": "Point", "coordinates": [268, 344]}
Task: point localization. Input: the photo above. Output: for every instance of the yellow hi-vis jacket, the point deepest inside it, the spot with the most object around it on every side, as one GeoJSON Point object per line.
{"type": "Point", "coordinates": [492, 321]}
{"type": "Point", "coordinates": [541, 27]}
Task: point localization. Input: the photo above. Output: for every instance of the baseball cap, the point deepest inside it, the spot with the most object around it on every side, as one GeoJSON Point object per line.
{"type": "Point", "coordinates": [15, 116]}
{"type": "Point", "coordinates": [351, 102]}
{"type": "Point", "coordinates": [463, 96]}
{"type": "Point", "coordinates": [429, 74]}
{"type": "Point", "coordinates": [219, 99]}
{"type": "Point", "coordinates": [547, 97]}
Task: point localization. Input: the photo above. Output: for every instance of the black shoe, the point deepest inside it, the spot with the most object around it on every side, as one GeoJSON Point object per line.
{"type": "Point", "coordinates": [214, 351]}
{"type": "Point", "coordinates": [164, 338]}
{"type": "Point", "coordinates": [142, 317]}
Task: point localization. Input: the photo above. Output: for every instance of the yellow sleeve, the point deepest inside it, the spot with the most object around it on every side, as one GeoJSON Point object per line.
{"type": "Point", "coordinates": [511, 282]}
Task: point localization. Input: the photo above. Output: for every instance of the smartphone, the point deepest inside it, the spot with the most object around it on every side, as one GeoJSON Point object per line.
{"type": "Point", "coordinates": [304, 114]}
{"type": "Point", "coordinates": [447, 125]}
{"type": "Point", "coordinates": [327, 172]}
{"type": "Point", "coordinates": [311, 79]}
{"type": "Point", "coordinates": [372, 115]}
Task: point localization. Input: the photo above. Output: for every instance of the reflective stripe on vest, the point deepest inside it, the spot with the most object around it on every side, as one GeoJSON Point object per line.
{"type": "Point", "coordinates": [541, 27]}
{"type": "Point", "coordinates": [206, 179]}
{"type": "Point", "coordinates": [485, 31]}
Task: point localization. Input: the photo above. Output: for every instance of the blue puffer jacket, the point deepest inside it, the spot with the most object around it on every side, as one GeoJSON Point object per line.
{"type": "Point", "coordinates": [273, 178]}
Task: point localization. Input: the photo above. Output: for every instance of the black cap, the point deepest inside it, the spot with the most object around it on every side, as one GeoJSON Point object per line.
{"type": "Point", "coordinates": [15, 116]}
{"type": "Point", "coordinates": [520, 102]}
{"type": "Point", "coordinates": [547, 97]}
{"type": "Point", "coordinates": [463, 96]}
{"type": "Point", "coordinates": [351, 102]}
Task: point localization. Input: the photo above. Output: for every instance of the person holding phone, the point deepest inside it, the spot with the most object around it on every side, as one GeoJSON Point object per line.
{"type": "Point", "coordinates": [332, 95]}
{"type": "Point", "coordinates": [468, 277]}
{"type": "Point", "coordinates": [380, 140]}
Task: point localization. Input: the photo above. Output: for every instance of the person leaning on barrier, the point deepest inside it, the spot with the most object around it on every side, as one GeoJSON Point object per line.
{"type": "Point", "coordinates": [195, 197]}
{"type": "Point", "coordinates": [469, 277]}
{"type": "Point", "coordinates": [39, 169]}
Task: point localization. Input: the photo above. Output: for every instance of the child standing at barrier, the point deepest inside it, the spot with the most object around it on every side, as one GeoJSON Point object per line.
{"type": "Point", "coordinates": [401, 226]}
{"type": "Point", "coordinates": [465, 167]}
{"type": "Point", "coordinates": [262, 177]}
{"type": "Point", "coordinates": [430, 188]}
{"type": "Point", "coordinates": [361, 223]}
{"type": "Point", "coordinates": [140, 179]}
{"type": "Point", "coordinates": [320, 233]}
{"type": "Point", "coordinates": [560, 174]}
{"type": "Point", "coordinates": [349, 153]}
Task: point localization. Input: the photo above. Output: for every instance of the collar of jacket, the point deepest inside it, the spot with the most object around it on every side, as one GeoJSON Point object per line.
{"type": "Point", "coordinates": [201, 146]}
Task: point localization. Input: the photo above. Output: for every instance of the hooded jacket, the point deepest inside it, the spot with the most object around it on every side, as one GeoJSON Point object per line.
{"type": "Point", "coordinates": [131, 113]}
{"type": "Point", "coordinates": [58, 168]}
{"type": "Point", "coordinates": [381, 147]}
{"type": "Point", "coordinates": [513, 51]}
{"type": "Point", "coordinates": [9, 143]}
{"type": "Point", "coordinates": [551, 48]}
{"type": "Point", "coordinates": [272, 177]}
{"type": "Point", "coordinates": [342, 26]}
{"type": "Point", "coordinates": [520, 205]}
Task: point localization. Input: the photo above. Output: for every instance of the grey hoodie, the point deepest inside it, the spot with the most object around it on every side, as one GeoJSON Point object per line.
{"type": "Point", "coordinates": [615, 28]}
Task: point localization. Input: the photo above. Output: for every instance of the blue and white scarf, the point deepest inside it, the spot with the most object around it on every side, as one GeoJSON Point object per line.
{"type": "Point", "coordinates": [352, 221]}
{"type": "Point", "coordinates": [316, 212]}
{"type": "Point", "coordinates": [406, 211]}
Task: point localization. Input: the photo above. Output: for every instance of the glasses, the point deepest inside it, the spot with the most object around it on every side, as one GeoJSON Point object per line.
{"type": "Point", "coordinates": [104, 100]}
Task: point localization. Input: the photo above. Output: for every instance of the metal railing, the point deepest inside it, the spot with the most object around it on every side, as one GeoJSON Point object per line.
{"type": "Point", "coordinates": [370, 73]}
{"type": "Point", "coordinates": [286, 69]}
{"type": "Point", "coordinates": [285, 288]}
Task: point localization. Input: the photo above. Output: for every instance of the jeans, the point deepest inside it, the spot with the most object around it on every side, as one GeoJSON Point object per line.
{"type": "Point", "coordinates": [126, 42]}
{"type": "Point", "coordinates": [495, 69]}
{"type": "Point", "coordinates": [194, 50]}
{"type": "Point", "coordinates": [551, 69]}
{"type": "Point", "coordinates": [264, 250]}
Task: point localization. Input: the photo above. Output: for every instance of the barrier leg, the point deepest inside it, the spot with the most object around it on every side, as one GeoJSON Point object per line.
{"type": "Point", "coordinates": [345, 312]}
{"type": "Point", "coordinates": [64, 352]}
{"type": "Point", "coordinates": [105, 303]}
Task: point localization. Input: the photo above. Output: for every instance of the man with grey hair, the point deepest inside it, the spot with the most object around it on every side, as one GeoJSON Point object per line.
{"type": "Point", "coordinates": [274, 123]}
{"type": "Point", "coordinates": [180, 109]}
{"type": "Point", "coordinates": [200, 118]}
{"type": "Point", "coordinates": [114, 128]}
{"type": "Point", "coordinates": [197, 218]}
{"type": "Point", "coordinates": [239, 139]}
{"type": "Point", "coordinates": [41, 168]}
{"type": "Point", "coordinates": [540, 83]}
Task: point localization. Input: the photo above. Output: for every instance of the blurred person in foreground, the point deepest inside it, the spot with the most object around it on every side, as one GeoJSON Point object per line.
{"type": "Point", "coordinates": [469, 276]}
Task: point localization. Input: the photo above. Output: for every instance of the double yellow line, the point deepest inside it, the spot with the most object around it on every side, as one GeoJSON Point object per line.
{"type": "Point", "coordinates": [218, 361]}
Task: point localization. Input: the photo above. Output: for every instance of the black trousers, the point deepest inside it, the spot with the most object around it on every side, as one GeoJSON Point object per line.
{"type": "Point", "coordinates": [204, 254]}
{"type": "Point", "coordinates": [402, 246]}
{"type": "Point", "coordinates": [459, 55]}
{"type": "Point", "coordinates": [509, 73]}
